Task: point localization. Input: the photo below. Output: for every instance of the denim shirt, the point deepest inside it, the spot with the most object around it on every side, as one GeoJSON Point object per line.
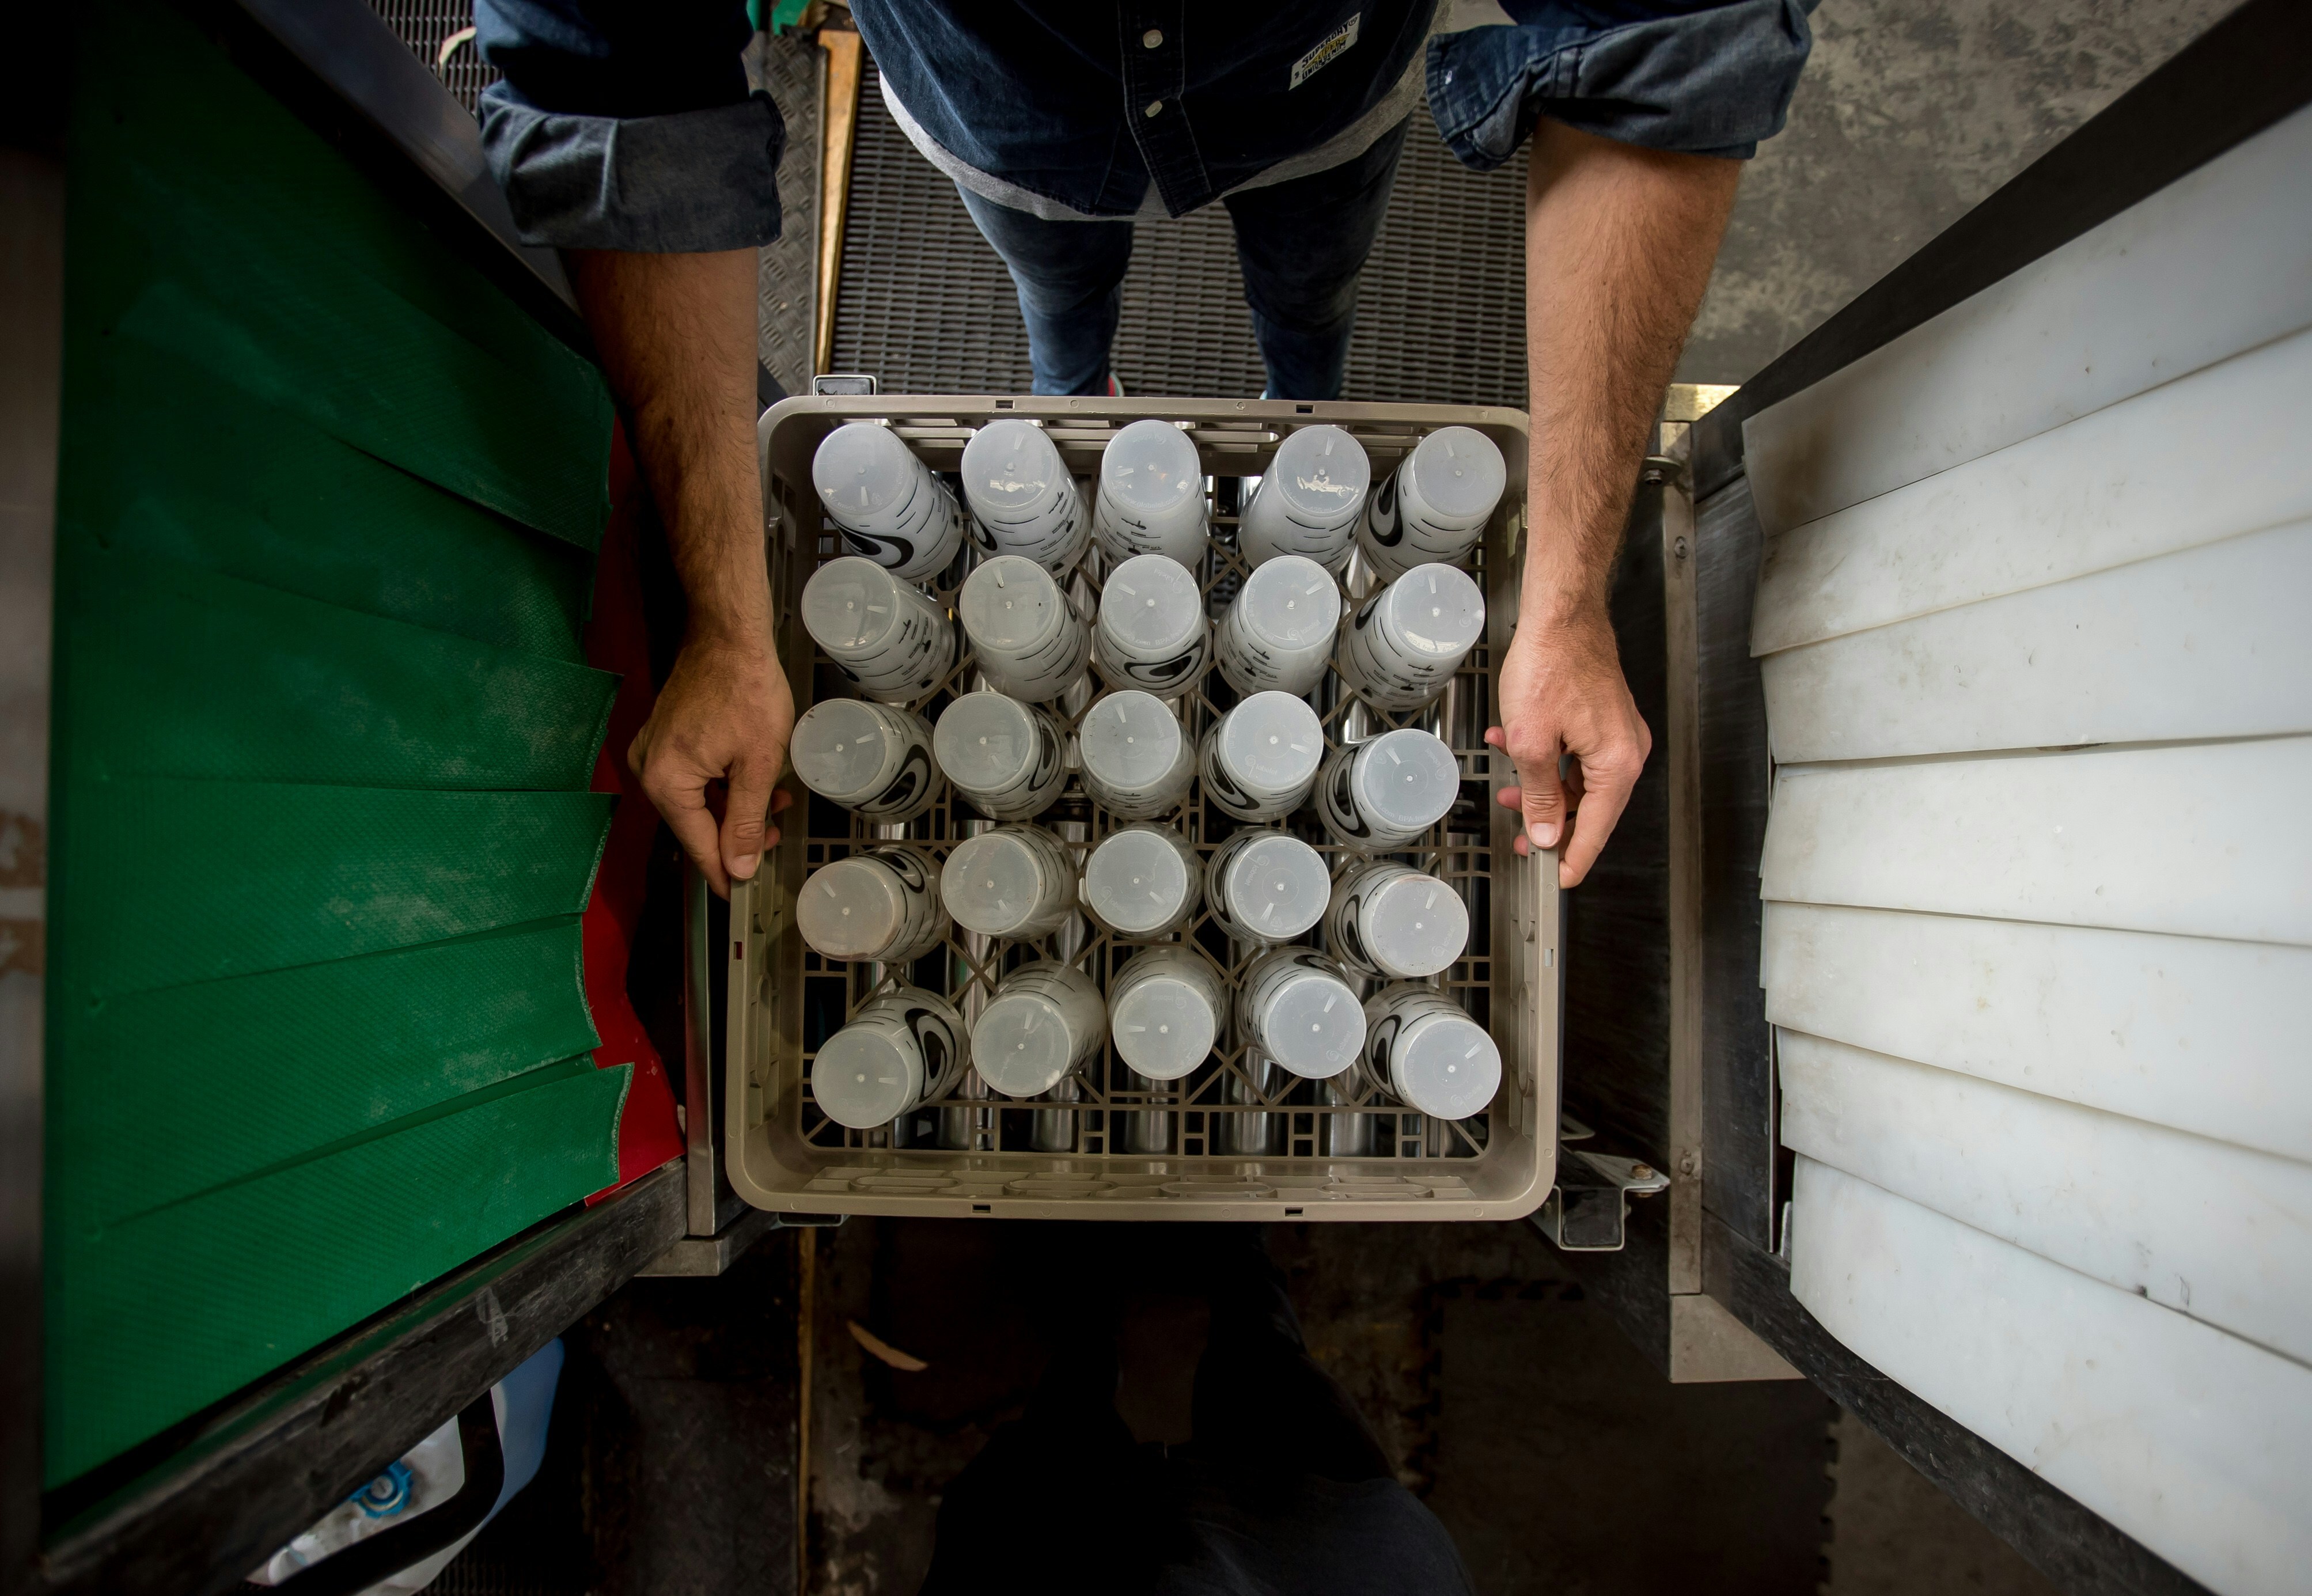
{"type": "Point", "coordinates": [622, 125]}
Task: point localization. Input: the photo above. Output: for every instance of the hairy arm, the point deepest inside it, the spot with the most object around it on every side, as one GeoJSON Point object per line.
{"type": "Point", "coordinates": [1619, 243]}
{"type": "Point", "coordinates": [677, 336]}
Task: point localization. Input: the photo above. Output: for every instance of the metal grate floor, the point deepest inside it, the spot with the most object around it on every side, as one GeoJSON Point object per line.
{"type": "Point", "coordinates": [926, 306]}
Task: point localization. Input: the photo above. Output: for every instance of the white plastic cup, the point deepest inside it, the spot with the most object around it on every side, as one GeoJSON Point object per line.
{"type": "Point", "coordinates": [881, 903]}
{"type": "Point", "coordinates": [1014, 881]}
{"type": "Point", "coordinates": [900, 1050]}
{"type": "Point", "coordinates": [1045, 1020]}
{"type": "Point", "coordinates": [1310, 500]}
{"type": "Point", "coordinates": [1007, 759]}
{"type": "Point", "coordinates": [1136, 757]}
{"type": "Point", "coordinates": [1023, 500]}
{"type": "Point", "coordinates": [1296, 1006]}
{"type": "Point", "coordinates": [1026, 639]}
{"type": "Point", "coordinates": [1433, 508]}
{"type": "Point", "coordinates": [1266, 886]}
{"type": "Point", "coordinates": [1260, 759]}
{"type": "Point", "coordinates": [1426, 1051]}
{"type": "Point", "coordinates": [1144, 881]}
{"type": "Point", "coordinates": [1405, 641]}
{"type": "Point", "coordinates": [1151, 631]}
{"type": "Point", "coordinates": [1278, 631]}
{"type": "Point", "coordinates": [871, 759]}
{"type": "Point", "coordinates": [1390, 921]}
{"type": "Point", "coordinates": [888, 505]}
{"type": "Point", "coordinates": [1164, 1011]}
{"type": "Point", "coordinates": [893, 641]}
{"type": "Point", "coordinates": [1150, 498]}
{"type": "Point", "coordinates": [1386, 792]}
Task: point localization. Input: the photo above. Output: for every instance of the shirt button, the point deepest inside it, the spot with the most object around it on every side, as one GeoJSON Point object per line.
{"type": "Point", "coordinates": [1153, 107]}
{"type": "Point", "coordinates": [1153, 39]}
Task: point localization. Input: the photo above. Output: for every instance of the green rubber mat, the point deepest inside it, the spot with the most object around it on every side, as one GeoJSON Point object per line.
{"type": "Point", "coordinates": [343, 1234]}
{"type": "Point", "coordinates": [236, 241]}
{"type": "Point", "coordinates": [199, 471]}
{"type": "Point", "coordinates": [322, 737]}
{"type": "Point", "coordinates": [189, 674]}
{"type": "Point", "coordinates": [304, 1056]}
{"type": "Point", "coordinates": [204, 880]}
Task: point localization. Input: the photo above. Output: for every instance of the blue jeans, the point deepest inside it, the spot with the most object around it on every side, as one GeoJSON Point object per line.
{"type": "Point", "coordinates": [1301, 244]}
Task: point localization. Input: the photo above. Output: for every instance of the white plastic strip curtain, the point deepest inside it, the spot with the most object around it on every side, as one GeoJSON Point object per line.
{"type": "Point", "coordinates": [2036, 628]}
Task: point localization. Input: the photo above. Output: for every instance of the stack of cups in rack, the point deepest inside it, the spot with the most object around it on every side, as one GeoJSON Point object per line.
{"type": "Point", "coordinates": [1007, 756]}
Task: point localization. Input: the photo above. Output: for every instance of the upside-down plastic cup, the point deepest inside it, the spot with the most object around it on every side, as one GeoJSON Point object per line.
{"type": "Point", "coordinates": [1260, 759]}
{"type": "Point", "coordinates": [896, 642]}
{"type": "Point", "coordinates": [1144, 881]}
{"type": "Point", "coordinates": [1151, 631]}
{"type": "Point", "coordinates": [1309, 501]}
{"type": "Point", "coordinates": [1405, 641]}
{"type": "Point", "coordinates": [1136, 757]}
{"type": "Point", "coordinates": [1435, 506]}
{"type": "Point", "coordinates": [871, 759]}
{"type": "Point", "coordinates": [900, 1050]}
{"type": "Point", "coordinates": [1025, 636]}
{"type": "Point", "coordinates": [1296, 1006]}
{"type": "Point", "coordinates": [888, 505]}
{"type": "Point", "coordinates": [1045, 1020]}
{"type": "Point", "coordinates": [1008, 760]}
{"type": "Point", "coordinates": [1164, 1011]}
{"type": "Point", "coordinates": [1278, 631]}
{"type": "Point", "coordinates": [1266, 886]}
{"type": "Point", "coordinates": [1014, 881]}
{"type": "Point", "coordinates": [881, 903]}
{"type": "Point", "coordinates": [1023, 500]}
{"type": "Point", "coordinates": [1429, 1053]}
{"type": "Point", "coordinates": [1391, 921]}
{"type": "Point", "coordinates": [1385, 794]}
{"type": "Point", "coordinates": [1150, 498]}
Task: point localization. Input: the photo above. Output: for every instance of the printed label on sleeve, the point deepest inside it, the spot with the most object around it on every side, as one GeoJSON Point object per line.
{"type": "Point", "coordinates": [1324, 55]}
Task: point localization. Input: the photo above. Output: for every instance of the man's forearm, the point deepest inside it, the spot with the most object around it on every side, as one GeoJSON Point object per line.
{"type": "Point", "coordinates": [677, 338]}
{"type": "Point", "coordinates": [676, 335]}
{"type": "Point", "coordinates": [1619, 243]}
{"type": "Point", "coordinates": [1618, 246]}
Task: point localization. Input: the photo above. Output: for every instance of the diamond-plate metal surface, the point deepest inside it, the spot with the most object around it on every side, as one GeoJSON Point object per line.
{"type": "Point", "coordinates": [925, 304]}
{"type": "Point", "coordinates": [792, 72]}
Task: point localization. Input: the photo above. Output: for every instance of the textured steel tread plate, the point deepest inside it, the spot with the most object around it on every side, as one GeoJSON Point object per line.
{"type": "Point", "coordinates": [927, 307]}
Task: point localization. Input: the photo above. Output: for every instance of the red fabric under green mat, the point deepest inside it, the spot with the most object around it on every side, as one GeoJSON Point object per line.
{"type": "Point", "coordinates": [618, 638]}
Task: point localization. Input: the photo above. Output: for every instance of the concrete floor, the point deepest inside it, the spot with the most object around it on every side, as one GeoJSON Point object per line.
{"type": "Point", "coordinates": [1909, 112]}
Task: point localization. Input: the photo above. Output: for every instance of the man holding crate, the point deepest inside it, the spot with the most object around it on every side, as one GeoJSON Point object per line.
{"type": "Point", "coordinates": [624, 133]}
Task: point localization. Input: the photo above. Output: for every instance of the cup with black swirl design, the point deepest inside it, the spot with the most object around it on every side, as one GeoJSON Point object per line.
{"type": "Point", "coordinates": [1434, 506]}
{"type": "Point", "coordinates": [1259, 760]}
{"type": "Point", "coordinates": [873, 759]}
{"type": "Point", "coordinates": [1385, 794]}
{"type": "Point", "coordinates": [900, 1050]}
{"type": "Point", "coordinates": [887, 505]}
{"type": "Point", "coordinates": [1008, 760]}
{"type": "Point", "coordinates": [1151, 631]}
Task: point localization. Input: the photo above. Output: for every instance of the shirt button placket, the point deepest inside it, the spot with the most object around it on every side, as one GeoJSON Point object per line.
{"type": "Point", "coordinates": [1152, 76]}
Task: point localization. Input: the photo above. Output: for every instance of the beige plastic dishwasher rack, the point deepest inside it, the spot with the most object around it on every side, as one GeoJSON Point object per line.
{"type": "Point", "coordinates": [1359, 1159]}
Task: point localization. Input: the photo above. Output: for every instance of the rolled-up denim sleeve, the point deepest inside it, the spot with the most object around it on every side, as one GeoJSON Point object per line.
{"type": "Point", "coordinates": [1703, 79]}
{"type": "Point", "coordinates": [627, 125]}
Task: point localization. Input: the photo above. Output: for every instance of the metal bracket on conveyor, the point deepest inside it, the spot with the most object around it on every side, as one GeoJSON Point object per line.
{"type": "Point", "coordinates": [1589, 1208]}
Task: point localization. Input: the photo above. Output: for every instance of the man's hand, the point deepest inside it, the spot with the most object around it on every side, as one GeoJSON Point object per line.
{"type": "Point", "coordinates": [1561, 692]}
{"type": "Point", "coordinates": [725, 716]}
{"type": "Point", "coordinates": [1619, 242]}
{"type": "Point", "coordinates": [677, 336]}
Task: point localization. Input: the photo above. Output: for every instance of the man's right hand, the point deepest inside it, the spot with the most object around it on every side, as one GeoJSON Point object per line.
{"type": "Point", "coordinates": [725, 716]}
